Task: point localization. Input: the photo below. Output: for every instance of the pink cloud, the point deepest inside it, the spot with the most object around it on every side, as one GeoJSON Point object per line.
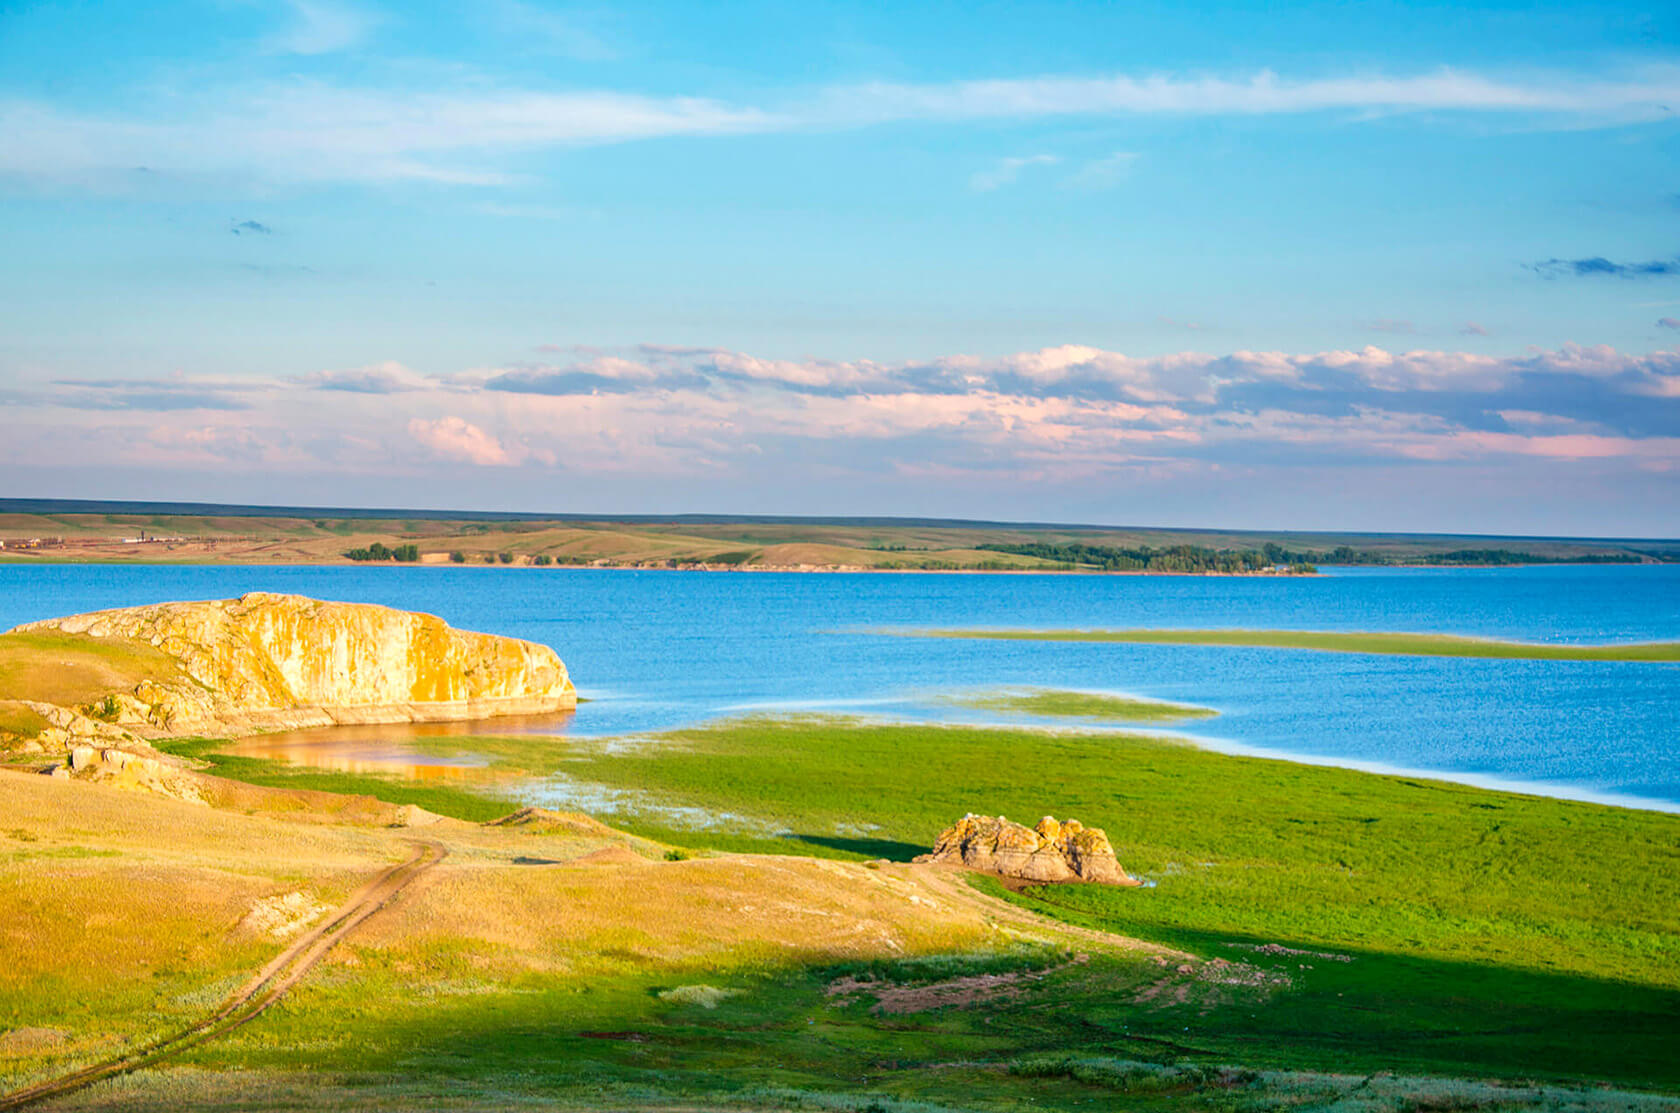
{"type": "Point", "coordinates": [651, 412]}
{"type": "Point", "coordinates": [456, 439]}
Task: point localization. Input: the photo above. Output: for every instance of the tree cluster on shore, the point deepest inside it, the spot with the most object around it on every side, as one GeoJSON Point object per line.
{"type": "Point", "coordinates": [379, 551]}
{"type": "Point", "coordinates": [1178, 558]}
{"type": "Point", "coordinates": [1272, 556]}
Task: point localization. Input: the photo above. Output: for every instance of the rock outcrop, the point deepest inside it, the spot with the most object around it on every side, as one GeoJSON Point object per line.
{"type": "Point", "coordinates": [272, 662]}
{"type": "Point", "coordinates": [150, 772]}
{"type": "Point", "coordinates": [1052, 851]}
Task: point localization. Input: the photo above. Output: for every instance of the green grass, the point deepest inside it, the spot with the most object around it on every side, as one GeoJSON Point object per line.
{"type": "Point", "coordinates": [1056, 703]}
{"type": "Point", "coordinates": [1489, 934]}
{"type": "Point", "coordinates": [1071, 1041]}
{"type": "Point", "coordinates": [1417, 645]}
{"type": "Point", "coordinates": [1490, 931]}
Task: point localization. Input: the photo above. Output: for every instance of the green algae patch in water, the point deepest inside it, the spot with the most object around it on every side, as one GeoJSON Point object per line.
{"type": "Point", "coordinates": [1055, 703]}
{"type": "Point", "coordinates": [1333, 641]}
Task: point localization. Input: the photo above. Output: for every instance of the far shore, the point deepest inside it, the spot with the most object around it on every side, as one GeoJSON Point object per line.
{"type": "Point", "coordinates": [59, 558]}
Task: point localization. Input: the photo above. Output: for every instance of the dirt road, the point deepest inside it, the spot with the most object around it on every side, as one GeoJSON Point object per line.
{"type": "Point", "coordinates": [253, 998]}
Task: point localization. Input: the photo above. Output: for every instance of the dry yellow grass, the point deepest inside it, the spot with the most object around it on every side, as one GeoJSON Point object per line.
{"type": "Point", "coordinates": [804, 552]}
{"type": "Point", "coordinates": [17, 719]}
{"type": "Point", "coordinates": [621, 912]}
{"type": "Point", "coordinates": [120, 911]}
{"type": "Point", "coordinates": [68, 669]}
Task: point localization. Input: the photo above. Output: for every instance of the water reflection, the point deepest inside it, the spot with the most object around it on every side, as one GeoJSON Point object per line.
{"type": "Point", "coordinates": [397, 748]}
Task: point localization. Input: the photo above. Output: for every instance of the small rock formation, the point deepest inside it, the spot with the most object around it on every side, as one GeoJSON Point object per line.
{"type": "Point", "coordinates": [1052, 851]}
{"type": "Point", "coordinates": [276, 662]}
{"type": "Point", "coordinates": [151, 772]}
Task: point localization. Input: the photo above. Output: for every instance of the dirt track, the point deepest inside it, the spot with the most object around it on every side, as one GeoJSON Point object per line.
{"type": "Point", "coordinates": [252, 999]}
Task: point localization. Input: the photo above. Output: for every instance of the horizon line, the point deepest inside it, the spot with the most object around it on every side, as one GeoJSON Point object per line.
{"type": "Point", "coordinates": [242, 510]}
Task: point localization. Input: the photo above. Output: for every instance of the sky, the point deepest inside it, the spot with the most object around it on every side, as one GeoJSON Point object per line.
{"type": "Point", "coordinates": [1362, 266]}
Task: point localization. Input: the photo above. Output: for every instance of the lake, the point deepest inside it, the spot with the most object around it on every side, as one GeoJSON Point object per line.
{"type": "Point", "coordinates": [656, 649]}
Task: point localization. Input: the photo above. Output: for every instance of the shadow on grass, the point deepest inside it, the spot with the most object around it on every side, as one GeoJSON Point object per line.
{"type": "Point", "coordinates": [784, 1028]}
{"type": "Point", "coordinates": [889, 849]}
{"type": "Point", "coordinates": [1342, 1007]}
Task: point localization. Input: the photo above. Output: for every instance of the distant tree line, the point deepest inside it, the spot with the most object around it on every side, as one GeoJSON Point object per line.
{"type": "Point", "coordinates": [1345, 554]}
{"type": "Point", "coordinates": [402, 554]}
{"type": "Point", "coordinates": [1197, 558]}
{"type": "Point", "coordinates": [1177, 558]}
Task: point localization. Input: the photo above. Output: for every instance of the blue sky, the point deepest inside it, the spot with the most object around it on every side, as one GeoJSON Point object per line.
{"type": "Point", "coordinates": [1367, 266]}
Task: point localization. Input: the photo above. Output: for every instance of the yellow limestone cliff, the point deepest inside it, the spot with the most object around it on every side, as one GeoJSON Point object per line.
{"type": "Point", "coordinates": [267, 662]}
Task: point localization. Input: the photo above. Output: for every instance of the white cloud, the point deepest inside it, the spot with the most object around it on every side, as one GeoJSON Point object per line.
{"type": "Point", "coordinates": [311, 131]}
{"type": "Point", "coordinates": [561, 33]}
{"type": "Point", "coordinates": [1648, 96]}
{"type": "Point", "coordinates": [1007, 171]}
{"type": "Point", "coordinates": [320, 28]}
{"type": "Point", "coordinates": [1104, 173]}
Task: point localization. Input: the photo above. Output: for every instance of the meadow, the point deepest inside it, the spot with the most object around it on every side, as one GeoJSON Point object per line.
{"type": "Point", "coordinates": [1395, 923]}
{"type": "Point", "coordinates": [69, 670]}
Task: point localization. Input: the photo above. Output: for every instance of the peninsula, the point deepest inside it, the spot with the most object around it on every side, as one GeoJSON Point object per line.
{"type": "Point", "coordinates": [260, 662]}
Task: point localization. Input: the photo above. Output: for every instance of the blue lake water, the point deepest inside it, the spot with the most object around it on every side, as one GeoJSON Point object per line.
{"type": "Point", "coordinates": [661, 649]}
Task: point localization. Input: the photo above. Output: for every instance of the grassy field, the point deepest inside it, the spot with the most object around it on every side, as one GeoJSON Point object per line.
{"type": "Point", "coordinates": [1417, 645]}
{"type": "Point", "coordinates": [1096, 706]}
{"type": "Point", "coordinates": [72, 669]}
{"type": "Point", "coordinates": [1394, 923]}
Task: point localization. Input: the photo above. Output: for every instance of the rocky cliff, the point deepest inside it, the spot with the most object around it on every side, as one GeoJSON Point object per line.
{"type": "Point", "coordinates": [1052, 851]}
{"type": "Point", "coordinates": [265, 662]}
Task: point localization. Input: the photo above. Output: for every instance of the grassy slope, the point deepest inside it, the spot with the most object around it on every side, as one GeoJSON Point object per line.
{"type": "Point", "coordinates": [1420, 645]}
{"type": "Point", "coordinates": [71, 669]}
{"type": "Point", "coordinates": [119, 909]}
{"type": "Point", "coordinates": [1055, 703]}
{"type": "Point", "coordinates": [20, 720]}
{"type": "Point", "coordinates": [1491, 934]}
{"type": "Point", "coordinates": [1492, 931]}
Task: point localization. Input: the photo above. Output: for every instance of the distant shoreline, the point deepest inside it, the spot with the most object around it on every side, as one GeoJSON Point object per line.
{"type": "Point", "coordinates": [7, 559]}
{"type": "Point", "coordinates": [58, 557]}
{"type": "Point", "coordinates": [71, 534]}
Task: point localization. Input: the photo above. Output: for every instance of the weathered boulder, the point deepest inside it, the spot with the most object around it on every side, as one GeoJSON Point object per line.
{"type": "Point", "coordinates": [266, 661]}
{"type": "Point", "coordinates": [1052, 851]}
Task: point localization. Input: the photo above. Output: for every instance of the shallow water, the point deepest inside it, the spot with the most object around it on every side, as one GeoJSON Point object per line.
{"type": "Point", "coordinates": [396, 748]}
{"type": "Point", "coordinates": [659, 649]}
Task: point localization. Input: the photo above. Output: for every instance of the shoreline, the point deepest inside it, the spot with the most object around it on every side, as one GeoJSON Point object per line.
{"type": "Point", "coordinates": [7, 560]}
{"type": "Point", "coordinates": [1486, 781]}
{"type": "Point", "coordinates": [431, 560]}
{"type": "Point", "coordinates": [799, 569]}
{"type": "Point", "coordinates": [848, 710]}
